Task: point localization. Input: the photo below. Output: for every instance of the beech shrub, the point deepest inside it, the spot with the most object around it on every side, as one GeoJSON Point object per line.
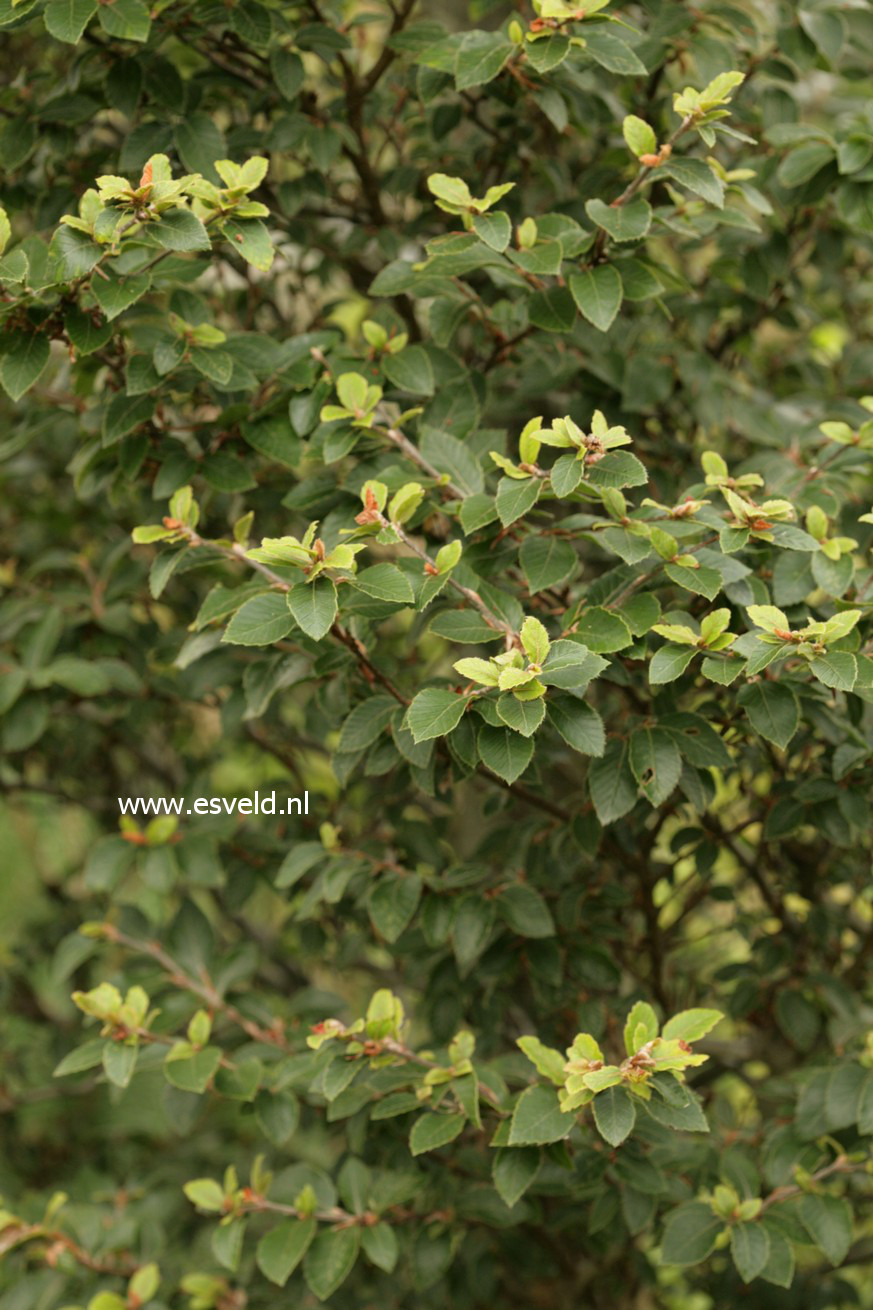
{"type": "Point", "coordinates": [458, 421]}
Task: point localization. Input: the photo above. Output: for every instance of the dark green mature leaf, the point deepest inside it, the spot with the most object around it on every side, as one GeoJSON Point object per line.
{"type": "Point", "coordinates": [655, 762]}
{"type": "Point", "coordinates": [192, 1073]}
{"type": "Point", "coordinates": [537, 1119]}
{"type": "Point", "coordinates": [612, 785]}
{"type": "Point", "coordinates": [515, 498]}
{"type": "Point", "coordinates": [514, 1171]}
{"type": "Point", "coordinates": [750, 1249]}
{"type": "Point", "coordinates": [670, 662]}
{"type": "Point", "coordinates": [180, 229]}
{"type": "Point", "coordinates": [523, 716]}
{"type": "Point", "coordinates": [546, 561]}
{"type": "Point", "coordinates": [504, 752]}
{"type": "Point", "coordinates": [392, 903]}
{"type": "Point", "coordinates": [579, 724]}
{"type": "Point", "coordinates": [828, 1220]}
{"type": "Point", "coordinates": [772, 709]}
{"type": "Point", "coordinates": [611, 51]}
{"type": "Point", "coordinates": [330, 1259]}
{"type": "Point", "coordinates": [431, 1131]}
{"type": "Point", "coordinates": [481, 56]}
{"type": "Point", "coordinates": [67, 19]}
{"type": "Point", "coordinates": [314, 606]}
{"type": "Point", "coordinates": [115, 294]}
{"type": "Point", "coordinates": [494, 228]}
{"type": "Point", "coordinates": [689, 1234]}
{"type": "Point", "coordinates": [410, 370]}
{"type": "Point", "coordinates": [281, 1250]}
{"type": "Point", "coordinates": [260, 621]}
{"type": "Point", "coordinates": [367, 722]}
{"type": "Point", "coordinates": [125, 414]}
{"type": "Point", "coordinates": [525, 911]}
{"type": "Point", "coordinates": [433, 713]}
{"type": "Point", "coordinates": [25, 356]}
{"type": "Point", "coordinates": [126, 20]}
{"type": "Point", "coordinates": [598, 295]}
{"type": "Point", "coordinates": [614, 1114]}
{"type": "Point", "coordinates": [629, 222]}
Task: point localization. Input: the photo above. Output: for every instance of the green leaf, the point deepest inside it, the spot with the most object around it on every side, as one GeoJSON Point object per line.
{"type": "Point", "coordinates": [514, 1171]}
{"type": "Point", "coordinates": [314, 606]}
{"type": "Point", "coordinates": [523, 716]}
{"type": "Point", "coordinates": [280, 1251]}
{"type": "Point", "coordinates": [410, 370]}
{"type": "Point", "coordinates": [750, 1249]}
{"type": "Point", "coordinates": [525, 911]}
{"type": "Point", "coordinates": [828, 1220]}
{"type": "Point", "coordinates": [545, 1059]}
{"type": "Point", "coordinates": [546, 561]}
{"type": "Point", "coordinates": [691, 1025]}
{"type": "Point", "coordinates": [552, 309]}
{"type": "Point", "coordinates": [641, 1027]}
{"type": "Point", "coordinates": [639, 136]}
{"type": "Point", "coordinates": [602, 631]}
{"type": "Point", "coordinates": [802, 164]}
{"type": "Point", "coordinates": [614, 1114]}
{"type": "Point", "coordinates": [392, 904]}
{"type": "Point", "coordinates": [25, 356]}
{"type": "Point", "coordinates": [515, 497]}
{"type": "Point", "coordinates": [611, 52]}
{"type": "Point", "coordinates": [85, 332]}
{"type": "Point", "coordinates": [115, 294]}
{"type": "Point", "coordinates": [617, 468]}
{"type": "Point", "coordinates": [579, 724]}
{"type": "Point", "coordinates": [464, 626]}
{"type": "Point", "coordinates": [227, 1243]}
{"type": "Point", "coordinates": [86, 1056]}
{"type": "Point", "coordinates": [538, 1119]}
{"type": "Point", "coordinates": [837, 669]}
{"type": "Point", "coordinates": [430, 1131]}
{"type": "Point", "coordinates": [125, 414]}
{"type": "Point", "coordinates": [565, 475]}
{"type": "Point", "coordinates": [199, 142]}
{"type": "Point", "coordinates": [205, 1193]}
{"type": "Point", "coordinates": [505, 753]}
{"type": "Point", "coordinates": [192, 1073]}
{"type": "Point", "coordinates": [629, 222]}
{"type": "Point", "coordinates": [598, 295]}
{"type": "Point", "coordinates": [330, 1259]}
{"type": "Point", "coordinates": [480, 58]}
{"type": "Point", "coordinates": [655, 762]}
{"type": "Point", "coordinates": [612, 785]}
{"type": "Point", "coordinates": [779, 1268]}
{"type": "Point", "coordinates": [278, 1114]}
{"type": "Point", "coordinates": [695, 176]}
{"type": "Point", "coordinates": [260, 621]}
{"type": "Point", "coordinates": [494, 229]}
{"type": "Point", "coordinates": [119, 1062]}
{"type": "Point", "coordinates": [670, 662]}
{"type": "Point", "coordinates": [434, 713]}
{"type": "Point", "coordinates": [366, 723]}
{"type": "Point", "coordinates": [126, 20]}
{"type": "Point", "coordinates": [385, 582]}
{"type": "Point", "coordinates": [180, 229]}
{"type": "Point", "coordinates": [689, 1234]}
{"type": "Point", "coordinates": [287, 70]}
{"type": "Point", "coordinates": [66, 20]}
{"type": "Point", "coordinates": [772, 710]}
{"type": "Point", "coordinates": [702, 581]}
{"type": "Point", "coordinates": [380, 1246]}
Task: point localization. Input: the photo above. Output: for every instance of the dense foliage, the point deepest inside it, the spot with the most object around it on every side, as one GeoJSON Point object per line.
{"type": "Point", "coordinates": [461, 418]}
